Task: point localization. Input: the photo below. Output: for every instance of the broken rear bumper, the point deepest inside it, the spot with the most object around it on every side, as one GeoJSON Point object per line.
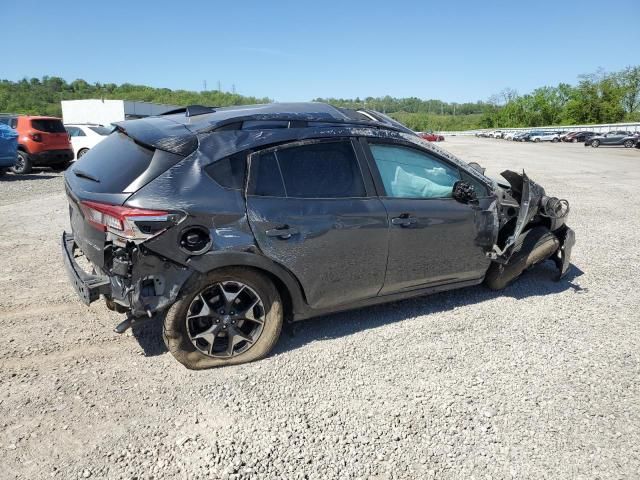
{"type": "Point", "coordinates": [88, 287]}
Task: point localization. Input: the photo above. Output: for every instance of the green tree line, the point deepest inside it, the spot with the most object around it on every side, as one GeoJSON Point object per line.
{"type": "Point", "coordinates": [41, 96]}
{"type": "Point", "coordinates": [599, 97]}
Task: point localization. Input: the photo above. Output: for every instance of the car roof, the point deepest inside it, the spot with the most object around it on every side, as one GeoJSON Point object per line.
{"type": "Point", "coordinates": [198, 118]}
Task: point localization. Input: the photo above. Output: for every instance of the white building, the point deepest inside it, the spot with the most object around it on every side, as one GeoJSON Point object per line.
{"type": "Point", "coordinates": [105, 112]}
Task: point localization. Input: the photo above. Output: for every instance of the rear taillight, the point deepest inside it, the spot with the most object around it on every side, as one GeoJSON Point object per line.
{"type": "Point", "coordinates": [122, 221]}
{"type": "Point", "coordinates": [36, 137]}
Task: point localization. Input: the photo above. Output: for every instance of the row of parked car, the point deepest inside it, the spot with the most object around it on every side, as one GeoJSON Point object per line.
{"type": "Point", "coordinates": [46, 141]}
{"type": "Point", "coordinates": [623, 138]}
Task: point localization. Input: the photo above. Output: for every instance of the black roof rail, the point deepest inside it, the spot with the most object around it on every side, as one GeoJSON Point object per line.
{"type": "Point", "coordinates": [191, 110]}
{"type": "Point", "coordinates": [296, 118]}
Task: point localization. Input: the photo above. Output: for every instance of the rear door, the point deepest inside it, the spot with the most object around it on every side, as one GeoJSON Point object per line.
{"type": "Point", "coordinates": [614, 138]}
{"type": "Point", "coordinates": [313, 211]}
{"type": "Point", "coordinates": [434, 239]}
{"type": "Point", "coordinates": [54, 135]}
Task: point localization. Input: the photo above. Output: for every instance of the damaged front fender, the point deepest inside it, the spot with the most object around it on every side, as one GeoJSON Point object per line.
{"type": "Point", "coordinates": [534, 208]}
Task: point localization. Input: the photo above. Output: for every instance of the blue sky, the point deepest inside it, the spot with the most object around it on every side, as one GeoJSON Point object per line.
{"type": "Point", "coordinates": [291, 51]}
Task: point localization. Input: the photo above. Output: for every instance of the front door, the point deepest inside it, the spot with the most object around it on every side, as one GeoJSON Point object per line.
{"type": "Point", "coordinates": [433, 238]}
{"type": "Point", "coordinates": [312, 211]}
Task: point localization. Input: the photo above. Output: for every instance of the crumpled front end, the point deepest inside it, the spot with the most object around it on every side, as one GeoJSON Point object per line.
{"type": "Point", "coordinates": [523, 206]}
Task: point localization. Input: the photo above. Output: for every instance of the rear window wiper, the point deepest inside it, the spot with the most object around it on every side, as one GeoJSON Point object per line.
{"type": "Point", "coordinates": [88, 176]}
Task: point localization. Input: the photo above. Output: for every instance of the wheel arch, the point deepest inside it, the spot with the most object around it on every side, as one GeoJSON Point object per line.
{"type": "Point", "coordinates": [288, 286]}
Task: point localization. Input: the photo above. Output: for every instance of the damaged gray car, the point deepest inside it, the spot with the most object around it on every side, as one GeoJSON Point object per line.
{"type": "Point", "coordinates": [224, 223]}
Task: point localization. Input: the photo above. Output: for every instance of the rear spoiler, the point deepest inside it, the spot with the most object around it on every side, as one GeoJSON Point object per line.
{"type": "Point", "coordinates": [160, 133]}
{"type": "Point", "coordinates": [191, 110]}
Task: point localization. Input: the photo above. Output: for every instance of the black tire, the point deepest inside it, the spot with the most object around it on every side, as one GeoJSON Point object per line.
{"type": "Point", "coordinates": [555, 140]}
{"type": "Point", "coordinates": [60, 167]}
{"type": "Point", "coordinates": [175, 333]}
{"type": "Point", "coordinates": [574, 140]}
{"type": "Point", "coordinates": [532, 247]}
{"type": "Point", "coordinates": [628, 143]}
{"type": "Point", "coordinates": [23, 164]}
{"type": "Point", "coordinates": [595, 143]}
{"type": "Point", "coordinates": [81, 153]}
{"type": "Point", "coordinates": [3, 171]}
{"type": "Point", "coordinates": [536, 140]}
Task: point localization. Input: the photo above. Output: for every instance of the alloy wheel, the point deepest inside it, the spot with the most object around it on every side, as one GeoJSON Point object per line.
{"type": "Point", "coordinates": [225, 319]}
{"type": "Point", "coordinates": [19, 165]}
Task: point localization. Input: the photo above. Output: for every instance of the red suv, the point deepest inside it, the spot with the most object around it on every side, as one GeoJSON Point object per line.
{"type": "Point", "coordinates": [41, 141]}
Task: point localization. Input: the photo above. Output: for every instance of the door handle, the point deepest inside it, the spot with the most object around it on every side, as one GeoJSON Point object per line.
{"type": "Point", "coordinates": [404, 220]}
{"type": "Point", "coordinates": [284, 232]}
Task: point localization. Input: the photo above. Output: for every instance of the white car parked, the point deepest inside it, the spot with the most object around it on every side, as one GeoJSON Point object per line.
{"type": "Point", "coordinates": [85, 137]}
{"type": "Point", "coordinates": [545, 137]}
{"type": "Point", "coordinates": [509, 135]}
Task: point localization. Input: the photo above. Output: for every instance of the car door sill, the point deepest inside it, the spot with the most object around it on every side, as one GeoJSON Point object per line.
{"type": "Point", "coordinates": [391, 297]}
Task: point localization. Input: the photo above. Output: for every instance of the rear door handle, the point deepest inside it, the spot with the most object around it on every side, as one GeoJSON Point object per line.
{"type": "Point", "coordinates": [404, 220]}
{"type": "Point", "coordinates": [284, 232]}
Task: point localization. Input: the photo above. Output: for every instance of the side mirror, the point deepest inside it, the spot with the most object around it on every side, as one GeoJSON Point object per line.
{"type": "Point", "coordinates": [476, 166]}
{"type": "Point", "coordinates": [464, 192]}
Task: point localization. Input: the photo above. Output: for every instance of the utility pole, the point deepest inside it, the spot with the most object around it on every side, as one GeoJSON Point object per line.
{"type": "Point", "coordinates": [219, 86]}
{"type": "Point", "coordinates": [204, 85]}
{"type": "Point", "coordinates": [233, 88]}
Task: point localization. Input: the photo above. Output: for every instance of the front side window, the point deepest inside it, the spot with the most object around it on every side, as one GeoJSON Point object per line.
{"type": "Point", "coordinates": [315, 170]}
{"type": "Point", "coordinates": [410, 173]}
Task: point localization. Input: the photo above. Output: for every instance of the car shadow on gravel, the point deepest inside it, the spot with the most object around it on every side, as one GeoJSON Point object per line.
{"type": "Point", "coordinates": [149, 336]}
{"type": "Point", "coordinates": [29, 176]}
{"type": "Point", "coordinates": [536, 282]}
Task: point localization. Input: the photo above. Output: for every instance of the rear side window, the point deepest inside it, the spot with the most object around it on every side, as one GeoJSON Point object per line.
{"type": "Point", "coordinates": [75, 132]}
{"type": "Point", "coordinates": [229, 172]}
{"type": "Point", "coordinates": [48, 125]}
{"type": "Point", "coordinates": [317, 170]}
{"type": "Point", "coordinates": [11, 121]}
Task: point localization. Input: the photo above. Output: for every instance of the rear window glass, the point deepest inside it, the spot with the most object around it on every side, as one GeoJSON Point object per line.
{"type": "Point", "coordinates": [115, 163]}
{"type": "Point", "coordinates": [229, 172]}
{"type": "Point", "coordinates": [48, 125]}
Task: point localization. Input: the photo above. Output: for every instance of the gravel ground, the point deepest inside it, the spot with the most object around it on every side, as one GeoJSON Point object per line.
{"type": "Point", "coordinates": [539, 381]}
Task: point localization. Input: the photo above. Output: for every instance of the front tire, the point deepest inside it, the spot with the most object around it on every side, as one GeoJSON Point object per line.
{"type": "Point", "coordinates": [23, 163]}
{"type": "Point", "coordinates": [81, 153]}
{"type": "Point", "coordinates": [595, 143]}
{"type": "Point", "coordinates": [226, 317]}
{"type": "Point", "coordinates": [532, 247]}
{"type": "Point", "coordinates": [536, 140]}
{"type": "Point", "coordinates": [628, 144]}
